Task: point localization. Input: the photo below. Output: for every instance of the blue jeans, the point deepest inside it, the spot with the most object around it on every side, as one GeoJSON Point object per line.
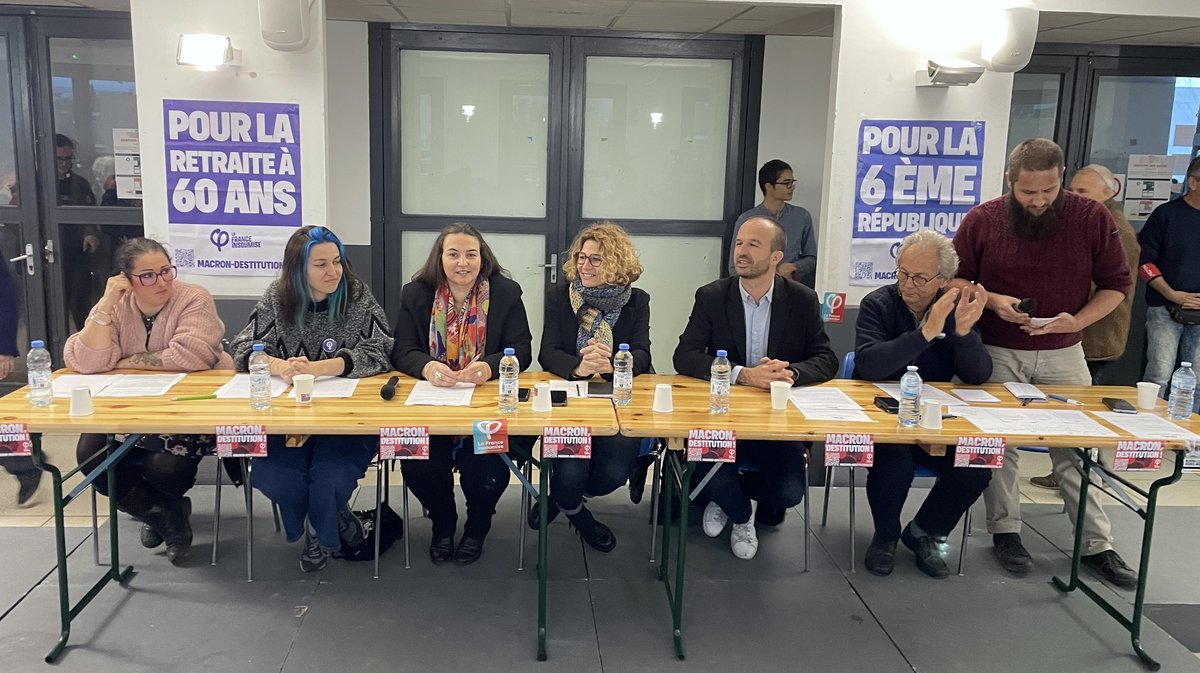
{"type": "Point", "coordinates": [313, 481]}
{"type": "Point", "coordinates": [608, 469]}
{"type": "Point", "coordinates": [772, 473]}
{"type": "Point", "coordinates": [1168, 343]}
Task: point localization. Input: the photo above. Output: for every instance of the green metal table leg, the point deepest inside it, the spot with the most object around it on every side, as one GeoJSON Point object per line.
{"type": "Point", "coordinates": [543, 556]}
{"type": "Point", "coordinates": [1077, 550]}
{"type": "Point", "coordinates": [668, 502]}
{"type": "Point", "coordinates": [681, 558]}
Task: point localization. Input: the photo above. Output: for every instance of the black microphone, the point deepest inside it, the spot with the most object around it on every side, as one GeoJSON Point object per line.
{"type": "Point", "coordinates": [388, 391]}
{"type": "Point", "coordinates": [1027, 306]}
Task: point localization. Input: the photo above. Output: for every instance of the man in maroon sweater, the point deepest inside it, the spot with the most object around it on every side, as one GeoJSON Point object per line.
{"type": "Point", "coordinates": [1043, 243]}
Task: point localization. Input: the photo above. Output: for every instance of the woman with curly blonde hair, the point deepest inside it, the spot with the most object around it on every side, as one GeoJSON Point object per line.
{"type": "Point", "coordinates": [585, 322]}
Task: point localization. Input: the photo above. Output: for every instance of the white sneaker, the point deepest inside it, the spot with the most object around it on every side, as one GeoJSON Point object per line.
{"type": "Point", "coordinates": [744, 539]}
{"type": "Point", "coordinates": [715, 519]}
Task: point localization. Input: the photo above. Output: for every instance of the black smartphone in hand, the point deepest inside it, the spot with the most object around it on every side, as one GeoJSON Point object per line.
{"type": "Point", "coordinates": [1118, 405]}
{"type": "Point", "coordinates": [888, 404]}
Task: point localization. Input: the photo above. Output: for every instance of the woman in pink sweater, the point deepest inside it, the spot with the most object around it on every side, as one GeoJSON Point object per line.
{"type": "Point", "coordinates": [148, 320]}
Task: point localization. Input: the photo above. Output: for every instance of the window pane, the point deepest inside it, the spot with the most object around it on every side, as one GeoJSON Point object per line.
{"type": "Point", "coordinates": [93, 94]}
{"type": "Point", "coordinates": [1145, 115]}
{"type": "Point", "coordinates": [1034, 111]}
{"type": "Point", "coordinates": [473, 133]}
{"type": "Point", "coordinates": [655, 138]}
{"type": "Point", "coordinates": [672, 287]}
{"type": "Point", "coordinates": [9, 193]}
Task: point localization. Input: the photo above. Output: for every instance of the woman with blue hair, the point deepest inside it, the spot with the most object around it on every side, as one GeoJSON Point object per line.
{"type": "Point", "coordinates": [318, 319]}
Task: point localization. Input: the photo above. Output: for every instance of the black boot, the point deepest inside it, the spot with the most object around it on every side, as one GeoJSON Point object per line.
{"type": "Point", "coordinates": [167, 518]}
{"type": "Point", "coordinates": [596, 534]}
{"type": "Point", "coordinates": [637, 480]}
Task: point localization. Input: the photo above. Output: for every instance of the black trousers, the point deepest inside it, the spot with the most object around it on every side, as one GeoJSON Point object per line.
{"type": "Point", "coordinates": [888, 482]}
{"type": "Point", "coordinates": [483, 479]}
{"type": "Point", "coordinates": [607, 470]}
{"type": "Point", "coordinates": [772, 473]}
{"type": "Point", "coordinates": [165, 473]}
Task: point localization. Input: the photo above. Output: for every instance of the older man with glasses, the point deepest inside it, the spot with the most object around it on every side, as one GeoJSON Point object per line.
{"type": "Point", "coordinates": [778, 185]}
{"type": "Point", "coordinates": [920, 321]}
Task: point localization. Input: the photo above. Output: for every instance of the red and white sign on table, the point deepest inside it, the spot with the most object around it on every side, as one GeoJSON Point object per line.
{"type": "Point", "coordinates": [409, 442]}
{"type": "Point", "coordinates": [712, 446]}
{"type": "Point", "coordinates": [242, 441]}
{"type": "Point", "coordinates": [849, 449]}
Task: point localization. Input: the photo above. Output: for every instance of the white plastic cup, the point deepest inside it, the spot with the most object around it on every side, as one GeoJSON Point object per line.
{"type": "Point", "coordinates": [303, 383]}
{"type": "Point", "coordinates": [931, 414]}
{"type": "Point", "coordinates": [541, 397]}
{"type": "Point", "coordinates": [81, 401]}
{"type": "Point", "coordinates": [779, 394]}
{"type": "Point", "coordinates": [1147, 394]}
{"type": "Point", "coordinates": [662, 399]}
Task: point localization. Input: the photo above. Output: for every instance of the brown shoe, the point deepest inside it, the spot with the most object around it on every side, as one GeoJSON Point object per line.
{"type": "Point", "coordinates": [1049, 481]}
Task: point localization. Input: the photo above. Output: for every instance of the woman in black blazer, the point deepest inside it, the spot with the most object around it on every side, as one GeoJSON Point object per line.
{"type": "Point", "coordinates": [585, 322]}
{"type": "Point", "coordinates": [456, 318]}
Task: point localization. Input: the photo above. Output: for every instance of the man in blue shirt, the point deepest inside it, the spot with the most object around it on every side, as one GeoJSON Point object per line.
{"type": "Point", "coordinates": [778, 185]}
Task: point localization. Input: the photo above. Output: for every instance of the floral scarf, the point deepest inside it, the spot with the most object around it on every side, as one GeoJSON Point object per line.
{"type": "Point", "coordinates": [459, 337]}
{"type": "Point", "coordinates": [597, 309]}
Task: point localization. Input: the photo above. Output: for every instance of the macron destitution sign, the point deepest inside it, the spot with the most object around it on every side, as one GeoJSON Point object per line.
{"type": "Point", "coordinates": [912, 175]}
{"type": "Point", "coordinates": [233, 184]}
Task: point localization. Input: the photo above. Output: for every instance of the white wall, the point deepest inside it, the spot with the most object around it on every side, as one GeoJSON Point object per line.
{"type": "Point", "coordinates": [797, 74]}
{"type": "Point", "coordinates": [266, 75]}
{"type": "Point", "coordinates": [349, 131]}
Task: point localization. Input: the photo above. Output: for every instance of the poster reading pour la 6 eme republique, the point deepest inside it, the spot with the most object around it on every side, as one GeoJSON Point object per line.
{"type": "Point", "coordinates": [912, 175]}
{"type": "Point", "coordinates": [233, 184]}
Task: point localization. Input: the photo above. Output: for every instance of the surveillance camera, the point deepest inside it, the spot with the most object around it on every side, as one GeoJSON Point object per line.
{"type": "Point", "coordinates": [949, 72]}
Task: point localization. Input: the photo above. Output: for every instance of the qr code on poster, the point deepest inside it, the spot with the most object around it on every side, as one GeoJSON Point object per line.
{"type": "Point", "coordinates": [862, 270]}
{"type": "Point", "coordinates": [185, 258]}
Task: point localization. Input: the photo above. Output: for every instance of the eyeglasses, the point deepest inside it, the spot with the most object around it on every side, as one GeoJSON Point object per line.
{"type": "Point", "coordinates": [785, 183]}
{"type": "Point", "coordinates": [903, 277]}
{"type": "Point", "coordinates": [594, 260]}
{"type": "Point", "coordinates": [69, 159]}
{"type": "Point", "coordinates": [151, 277]}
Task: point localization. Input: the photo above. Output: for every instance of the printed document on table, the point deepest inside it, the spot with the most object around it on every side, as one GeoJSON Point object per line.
{"type": "Point", "coordinates": [62, 385]}
{"type": "Point", "coordinates": [811, 398]}
{"type": "Point", "coordinates": [239, 387]}
{"type": "Point", "coordinates": [1025, 391]}
{"type": "Point", "coordinates": [573, 388]}
{"type": "Point", "coordinates": [928, 392]}
{"type": "Point", "coordinates": [1149, 426]}
{"type": "Point", "coordinates": [331, 386]}
{"type": "Point", "coordinates": [844, 415]}
{"type": "Point", "coordinates": [427, 394]}
{"type": "Point", "coordinates": [975, 395]}
{"type": "Point", "coordinates": [141, 385]}
{"type": "Point", "coordinates": [1034, 422]}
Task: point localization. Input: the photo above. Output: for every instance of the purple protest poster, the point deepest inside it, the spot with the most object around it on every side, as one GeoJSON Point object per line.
{"type": "Point", "coordinates": [233, 184]}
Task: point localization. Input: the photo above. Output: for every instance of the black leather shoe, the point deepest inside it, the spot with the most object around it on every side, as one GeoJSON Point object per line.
{"type": "Point", "coordinates": [27, 485]}
{"type": "Point", "coordinates": [469, 550]}
{"type": "Point", "coordinates": [881, 558]}
{"type": "Point", "coordinates": [1110, 566]}
{"type": "Point", "coordinates": [637, 480]}
{"type": "Point", "coordinates": [441, 549]}
{"type": "Point", "coordinates": [928, 553]}
{"type": "Point", "coordinates": [1011, 554]}
{"type": "Point", "coordinates": [769, 516]}
{"type": "Point", "coordinates": [597, 535]}
{"type": "Point", "coordinates": [150, 537]}
{"type": "Point", "coordinates": [535, 511]}
{"type": "Point", "coordinates": [178, 531]}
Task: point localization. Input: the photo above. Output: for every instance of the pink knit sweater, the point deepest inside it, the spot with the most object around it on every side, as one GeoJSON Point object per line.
{"type": "Point", "coordinates": [187, 331]}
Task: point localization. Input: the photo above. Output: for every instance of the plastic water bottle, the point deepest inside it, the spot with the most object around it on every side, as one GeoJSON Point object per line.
{"type": "Point", "coordinates": [38, 364]}
{"type": "Point", "coordinates": [718, 384]}
{"type": "Point", "coordinates": [1183, 392]}
{"type": "Point", "coordinates": [260, 378]}
{"type": "Point", "coordinates": [623, 376]}
{"type": "Point", "coordinates": [510, 371]}
{"type": "Point", "coordinates": [910, 398]}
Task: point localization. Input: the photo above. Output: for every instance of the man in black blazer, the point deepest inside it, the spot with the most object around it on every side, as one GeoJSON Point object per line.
{"type": "Point", "coordinates": [772, 330]}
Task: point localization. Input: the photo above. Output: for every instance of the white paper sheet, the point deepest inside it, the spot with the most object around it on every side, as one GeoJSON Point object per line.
{"type": "Point", "coordinates": [928, 392]}
{"type": "Point", "coordinates": [974, 395]}
{"type": "Point", "coordinates": [62, 385]}
{"type": "Point", "coordinates": [1025, 391]}
{"type": "Point", "coordinates": [812, 398]}
{"type": "Point", "coordinates": [1041, 322]}
{"type": "Point", "coordinates": [427, 394]}
{"type": "Point", "coordinates": [845, 415]}
{"type": "Point", "coordinates": [1034, 422]}
{"type": "Point", "coordinates": [331, 386]}
{"type": "Point", "coordinates": [239, 387]}
{"type": "Point", "coordinates": [573, 388]}
{"type": "Point", "coordinates": [1149, 426]}
{"type": "Point", "coordinates": [140, 385]}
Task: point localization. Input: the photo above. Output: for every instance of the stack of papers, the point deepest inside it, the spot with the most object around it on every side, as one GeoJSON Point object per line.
{"type": "Point", "coordinates": [975, 395]}
{"type": "Point", "coordinates": [425, 393]}
{"type": "Point", "coordinates": [62, 385]}
{"type": "Point", "coordinates": [1034, 422]}
{"type": "Point", "coordinates": [1149, 426]}
{"type": "Point", "coordinates": [239, 387]}
{"type": "Point", "coordinates": [825, 403]}
{"type": "Point", "coordinates": [332, 386]}
{"type": "Point", "coordinates": [1025, 391]}
{"type": "Point", "coordinates": [140, 385]}
{"type": "Point", "coordinates": [928, 392]}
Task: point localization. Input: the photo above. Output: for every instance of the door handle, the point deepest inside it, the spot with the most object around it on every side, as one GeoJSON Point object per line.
{"type": "Point", "coordinates": [48, 251]}
{"type": "Point", "coordinates": [553, 266]}
{"type": "Point", "coordinates": [28, 257]}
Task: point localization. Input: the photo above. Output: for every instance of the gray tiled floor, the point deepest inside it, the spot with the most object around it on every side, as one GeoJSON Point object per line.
{"type": "Point", "coordinates": [607, 612]}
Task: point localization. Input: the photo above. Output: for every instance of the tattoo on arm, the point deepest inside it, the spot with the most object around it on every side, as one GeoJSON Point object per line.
{"type": "Point", "coordinates": [149, 360]}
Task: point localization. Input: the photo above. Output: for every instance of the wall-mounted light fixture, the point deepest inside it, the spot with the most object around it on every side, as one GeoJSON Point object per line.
{"type": "Point", "coordinates": [944, 72]}
{"type": "Point", "coordinates": [205, 51]}
{"type": "Point", "coordinates": [655, 119]}
{"type": "Point", "coordinates": [468, 111]}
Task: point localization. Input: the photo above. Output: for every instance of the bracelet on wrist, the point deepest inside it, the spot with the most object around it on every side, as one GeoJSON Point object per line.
{"type": "Point", "coordinates": [102, 323]}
